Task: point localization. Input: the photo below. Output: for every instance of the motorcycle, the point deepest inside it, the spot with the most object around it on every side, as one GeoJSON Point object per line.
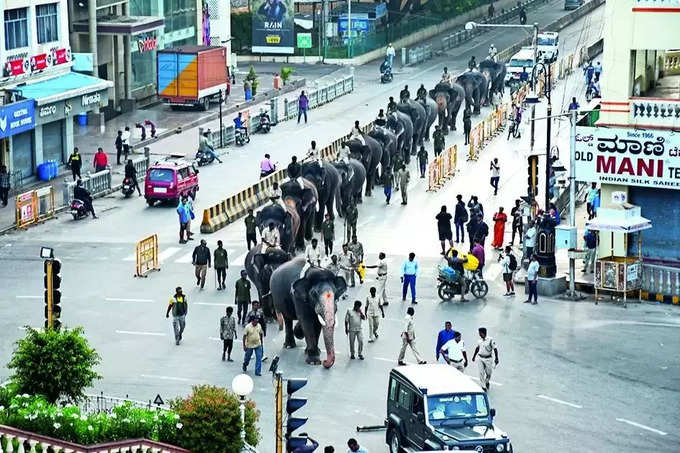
{"type": "Point", "coordinates": [203, 158]}
{"type": "Point", "coordinates": [448, 286]}
{"type": "Point", "coordinates": [592, 92]}
{"type": "Point", "coordinates": [241, 137]}
{"type": "Point", "coordinates": [386, 72]}
{"type": "Point", "coordinates": [265, 124]}
{"type": "Point", "coordinates": [128, 188]}
{"type": "Point", "coordinates": [78, 209]}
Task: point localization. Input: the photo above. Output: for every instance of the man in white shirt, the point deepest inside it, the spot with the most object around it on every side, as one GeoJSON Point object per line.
{"type": "Point", "coordinates": [381, 278]}
{"type": "Point", "coordinates": [125, 137]}
{"type": "Point", "coordinates": [408, 338]}
{"type": "Point", "coordinates": [314, 154]}
{"type": "Point", "coordinates": [532, 280]}
{"type": "Point", "coordinates": [486, 347]}
{"type": "Point", "coordinates": [373, 311]}
{"type": "Point", "coordinates": [390, 53]}
{"type": "Point", "coordinates": [530, 239]}
{"type": "Point", "coordinates": [271, 237]}
{"type": "Point", "coordinates": [454, 353]}
{"type": "Point", "coordinates": [312, 257]}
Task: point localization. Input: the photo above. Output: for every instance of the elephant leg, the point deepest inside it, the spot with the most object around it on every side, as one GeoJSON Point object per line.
{"type": "Point", "coordinates": [312, 351]}
{"type": "Point", "coordinates": [289, 342]}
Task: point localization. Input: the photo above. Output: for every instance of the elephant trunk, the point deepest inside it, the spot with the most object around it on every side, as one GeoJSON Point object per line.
{"type": "Point", "coordinates": [328, 309]}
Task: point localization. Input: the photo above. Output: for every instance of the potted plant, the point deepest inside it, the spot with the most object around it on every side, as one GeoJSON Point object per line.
{"type": "Point", "coordinates": [252, 78]}
{"type": "Point", "coordinates": [286, 72]}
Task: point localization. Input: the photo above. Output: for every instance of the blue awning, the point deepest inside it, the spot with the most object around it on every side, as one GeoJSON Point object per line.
{"type": "Point", "coordinates": [62, 87]}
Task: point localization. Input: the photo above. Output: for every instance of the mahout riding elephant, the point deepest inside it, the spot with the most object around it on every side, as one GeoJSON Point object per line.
{"type": "Point", "coordinates": [352, 178]}
{"type": "Point", "coordinates": [416, 112]}
{"type": "Point", "coordinates": [311, 299]}
{"type": "Point", "coordinates": [305, 199]}
{"type": "Point", "coordinates": [285, 218]}
{"type": "Point", "coordinates": [388, 140]}
{"type": "Point", "coordinates": [400, 123]}
{"type": "Point", "coordinates": [476, 87]}
{"type": "Point", "coordinates": [449, 98]}
{"type": "Point", "coordinates": [260, 263]}
{"type": "Point", "coordinates": [326, 179]}
{"type": "Point", "coordinates": [495, 76]}
{"type": "Point", "coordinates": [369, 155]}
{"type": "Point", "coordinates": [431, 108]}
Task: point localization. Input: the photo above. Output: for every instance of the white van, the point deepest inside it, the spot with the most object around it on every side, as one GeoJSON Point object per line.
{"type": "Point", "coordinates": [548, 44]}
{"type": "Point", "coordinates": [522, 61]}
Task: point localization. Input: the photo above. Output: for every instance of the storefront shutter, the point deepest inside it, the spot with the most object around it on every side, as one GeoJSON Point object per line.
{"type": "Point", "coordinates": [662, 207]}
{"type": "Point", "coordinates": [22, 154]}
{"type": "Point", "coordinates": [52, 141]}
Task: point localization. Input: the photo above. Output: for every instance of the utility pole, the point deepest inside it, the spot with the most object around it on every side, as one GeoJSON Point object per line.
{"type": "Point", "coordinates": [349, 28]}
{"type": "Point", "coordinates": [221, 139]}
{"type": "Point", "coordinates": [533, 88]}
{"type": "Point", "coordinates": [278, 392]}
{"type": "Point", "coordinates": [548, 162]}
{"type": "Point", "coordinates": [572, 198]}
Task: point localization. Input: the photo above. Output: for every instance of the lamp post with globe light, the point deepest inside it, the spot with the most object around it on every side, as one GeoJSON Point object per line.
{"type": "Point", "coordinates": [242, 385]}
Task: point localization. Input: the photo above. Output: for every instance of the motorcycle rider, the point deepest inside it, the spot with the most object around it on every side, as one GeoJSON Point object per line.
{"type": "Point", "coordinates": [81, 193]}
{"type": "Point", "coordinates": [131, 174]}
{"type": "Point", "coordinates": [493, 52]}
{"type": "Point", "coordinates": [238, 124]}
{"type": "Point", "coordinates": [205, 147]}
{"type": "Point", "coordinates": [264, 118]}
{"type": "Point", "coordinates": [457, 264]}
{"type": "Point", "coordinates": [386, 66]}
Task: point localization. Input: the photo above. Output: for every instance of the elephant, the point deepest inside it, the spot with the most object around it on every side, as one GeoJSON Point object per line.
{"type": "Point", "coordinates": [449, 98]}
{"type": "Point", "coordinates": [388, 140]}
{"type": "Point", "coordinates": [305, 201]}
{"type": "Point", "coordinates": [260, 263]}
{"type": "Point", "coordinates": [326, 179]}
{"type": "Point", "coordinates": [416, 112]}
{"type": "Point", "coordinates": [495, 75]}
{"type": "Point", "coordinates": [311, 299]}
{"type": "Point", "coordinates": [476, 87]}
{"type": "Point", "coordinates": [431, 109]}
{"type": "Point", "coordinates": [285, 218]}
{"type": "Point", "coordinates": [400, 123]}
{"type": "Point", "coordinates": [352, 177]}
{"type": "Point", "coordinates": [370, 157]}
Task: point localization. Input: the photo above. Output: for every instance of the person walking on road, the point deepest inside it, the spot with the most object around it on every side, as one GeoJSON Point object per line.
{"type": "Point", "coordinates": [478, 252]}
{"type": "Point", "coordinates": [252, 343]}
{"type": "Point", "coordinates": [347, 264]}
{"type": "Point", "coordinates": [179, 308]}
{"type": "Point", "coordinates": [422, 161]}
{"type": "Point", "coordinates": [251, 235]}
{"type": "Point", "coordinates": [467, 125]}
{"type": "Point", "coordinates": [409, 271]}
{"type": "Point", "coordinates": [404, 177]}
{"type": "Point", "coordinates": [499, 220]}
{"type": "Point", "coordinates": [509, 263]}
{"type": "Point", "coordinates": [373, 311]}
{"type": "Point", "coordinates": [313, 254]}
{"type": "Point", "coordinates": [408, 338]}
{"type": "Point", "coordinates": [459, 218]}
{"type": "Point", "coordinates": [388, 179]}
{"type": "Point", "coordinates": [390, 53]}
{"type": "Point", "coordinates": [381, 278]}
{"type": "Point", "coordinates": [351, 220]}
{"type": "Point", "coordinates": [4, 185]}
{"type": "Point", "coordinates": [353, 319]}
{"type": "Point", "coordinates": [221, 262]}
{"type": "Point", "coordinates": [453, 352]}
{"type": "Point", "coordinates": [357, 249]}
{"type": "Point", "coordinates": [445, 335]}
{"type": "Point", "coordinates": [125, 138]}
{"type": "Point", "coordinates": [328, 233]}
{"type": "Point", "coordinates": [444, 228]}
{"type": "Point", "coordinates": [439, 141]}
{"type": "Point", "coordinates": [590, 239]}
{"type": "Point", "coordinates": [532, 280]}
{"type": "Point", "coordinates": [303, 105]}
{"type": "Point", "coordinates": [495, 175]}
{"type": "Point", "coordinates": [242, 297]}
{"type": "Point", "coordinates": [486, 347]}
{"type": "Point", "coordinates": [201, 261]}
{"type": "Point", "coordinates": [75, 161]}
{"type": "Point", "coordinates": [228, 334]}
{"type": "Point", "coordinates": [189, 206]}
{"type": "Point", "coordinates": [119, 146]}
{"type": "Point", "coordinates": [516, 214]}
{"type": "Point", "coordinates": [482, 230]}
{"type": "Point", "coordinates": [183, 216]}
{"type": "Point", "coordinates": [590, 200]}
{"type": "Point", "coordinates": [101, 160]}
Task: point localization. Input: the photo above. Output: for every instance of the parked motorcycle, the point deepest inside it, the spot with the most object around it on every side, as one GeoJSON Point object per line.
{"type": "Point", "coordinates": [203, 158]}
{"type": "Point", "coordinates": [128, 188]}
{"type": "Point", "coordinates": [264, 124]}
{"type": "Point", "coordinates": [78, 209]}
{"type": "Point", "coordinates": [448, 286]}
{"type": "Point", "coordinates": [241, 137]}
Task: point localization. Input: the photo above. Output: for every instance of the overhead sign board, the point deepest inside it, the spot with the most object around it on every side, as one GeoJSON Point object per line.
{"type": "Point", "coordinates": [630, 157]}
{"type": "Point", "coordinates": [17, 118]}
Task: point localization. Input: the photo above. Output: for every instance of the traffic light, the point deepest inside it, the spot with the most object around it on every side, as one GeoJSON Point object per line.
{"type": "Point", "coordinates": [533, 176]}
{"type": "Point", "coordinates": [52, 282]}
{"type": "Point", "coordinates": [293, 423]}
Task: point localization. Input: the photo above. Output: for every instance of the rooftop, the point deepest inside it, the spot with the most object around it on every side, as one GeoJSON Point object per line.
{"type": "Point", "coordinates": [438, 379]}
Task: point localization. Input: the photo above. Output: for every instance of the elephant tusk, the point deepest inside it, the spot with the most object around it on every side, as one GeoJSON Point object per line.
{"type": "Point", "coordinates": [336, 320]}
{"type": "Point", "coordinates": [321, 321]}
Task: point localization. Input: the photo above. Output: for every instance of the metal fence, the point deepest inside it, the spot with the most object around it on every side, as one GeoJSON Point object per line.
{"type": "Point", "coordinates": [94, 404]}
{"type": "Point", "coordinates": [100, 183]}
{"type": "Point", "coordinates": [419, 54]}
{"type": "Point", "coordinates": [323, 93]}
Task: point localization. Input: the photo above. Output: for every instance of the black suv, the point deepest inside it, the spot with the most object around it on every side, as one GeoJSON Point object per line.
{"type": "Point", "coordinates": [436, 407]}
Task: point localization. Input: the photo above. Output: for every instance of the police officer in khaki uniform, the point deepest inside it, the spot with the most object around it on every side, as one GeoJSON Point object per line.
{"type": "Point", "coordinates": [408, 338]}
{"type": "Point", "coordinates": [381, 277]}
{"type": "Point", "coordinates": [485, 348]}
{"type": "Point", "coordinates": [347, 263]}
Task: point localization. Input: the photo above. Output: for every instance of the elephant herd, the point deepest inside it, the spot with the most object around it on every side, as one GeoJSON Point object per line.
{"type": "Point", "coordinates": [291, 291]}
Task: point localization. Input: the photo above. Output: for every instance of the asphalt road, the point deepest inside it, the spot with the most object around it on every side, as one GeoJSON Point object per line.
{"type": "Point", "coordinates": [572, 376]}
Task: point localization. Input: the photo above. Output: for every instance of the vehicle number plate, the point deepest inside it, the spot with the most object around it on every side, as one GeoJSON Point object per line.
{"type": "Point", "coordinates": [160, 190]}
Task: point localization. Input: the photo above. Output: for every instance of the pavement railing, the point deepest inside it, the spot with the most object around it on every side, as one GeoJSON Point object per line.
{"type": "Point", "coordinates": [323, 93]}
{"type": "Point", "coordinates": [661, 283]}
{"type": "Point", "coordinates": [419, 54]}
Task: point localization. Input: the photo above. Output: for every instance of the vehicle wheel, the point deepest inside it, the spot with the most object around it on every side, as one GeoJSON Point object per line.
{"type": "Point", "coordinates": [174, 107]}
{"type": "Point", "coordinates": [395, 441]}
{"type": "Point", "coordinates": [75, 216]}
{"type": "Point", "coordinates": [479, 289]}
{"type": "Point", "coordinates": [205, 104]}
{"type": "Point", "coordinates": [248, 139]}
{"type": "Point", "coordinates": [192, 194]}
{"type": "Point", "coordinates": [150, 201]}
{"type": "Point", "coordinates": [444, 294]}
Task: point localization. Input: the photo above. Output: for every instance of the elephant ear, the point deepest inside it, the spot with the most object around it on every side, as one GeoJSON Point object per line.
{"type": "Point", "coordinates": [300, 288]}
{"type": "Point", "coordinates": [340, 286]}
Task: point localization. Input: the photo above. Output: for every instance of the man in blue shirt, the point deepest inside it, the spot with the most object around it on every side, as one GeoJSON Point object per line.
{"type": "Point", "coordinates": [354, 447]}
{"type": "Point", "coordinates": [409, 272]}
{"type": "Point", "coordinates": [444, 336]}
{"type": "Point", "coordinates": [591, 251]}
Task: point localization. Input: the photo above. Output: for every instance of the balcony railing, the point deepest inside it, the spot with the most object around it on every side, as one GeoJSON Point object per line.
{"type": "Point", "coordinates": [661, 279]}
{"type": "Point", "coordinates": [655, 112]}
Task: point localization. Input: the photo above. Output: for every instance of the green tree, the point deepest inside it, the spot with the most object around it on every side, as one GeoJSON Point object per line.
{"type": "Point", "coordinates": [252, 77]}
{"type": "Point", "coordinates": [54, 364]}
{"type": "Point", "coordinates": [211, 421]}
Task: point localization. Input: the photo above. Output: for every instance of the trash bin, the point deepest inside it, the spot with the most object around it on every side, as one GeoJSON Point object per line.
{"type": "Point", "coordinates": [44, 171]}
{"type": "Point", "coordinates": [82, 119]}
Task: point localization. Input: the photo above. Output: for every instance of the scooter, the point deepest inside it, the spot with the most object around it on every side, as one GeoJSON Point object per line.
{"type": "Point", "coordinates": [448, 287]}
{"type": "Point", "coordinates": [78, 209]}
{"type": "Point", "coordinates": [127, 188]}
{"type": "Point", "coordinates": [241, 137]}
{"type": "Point", "coordinates": [386, 75]}
{"type": "Point", "coordinates": [203, 158]}
{"type": "Point", "coordinates": [265, 124]}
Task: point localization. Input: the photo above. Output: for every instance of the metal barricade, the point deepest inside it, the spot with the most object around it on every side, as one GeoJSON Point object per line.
{"type": "Point", "coordinates": [146, 256]}
{"type": "Point", "coordinates": [95, 183]}
{"type": "Point", "coordinates": [34, 206]}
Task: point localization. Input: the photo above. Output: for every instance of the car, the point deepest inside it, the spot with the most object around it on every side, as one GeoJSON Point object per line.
{"type": "Point", "coordinates": [169, 181]}
{"type": "Point", "coordinates": [572, 4]}
{"type": "Point", "coordinates": [522, 61]}
{"type": "Point", "coordinates": [434, 407]}
{"type": "Point", "coordinates": [548, 44]}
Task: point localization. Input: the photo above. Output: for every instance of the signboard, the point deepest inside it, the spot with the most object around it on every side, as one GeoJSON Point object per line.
{"type": "Point", "coordinates": [304, 40]}
{"type": "Point", "coordinates": [17, 66]}
{"type": "Point", "coordinates": [82, 62]}
{"type": "Point", "coordinates": [360, 24]}
{"type": "Point", "coordinates": [147, 43]}
{"type": "Point", "coordinates": [17, 117]}
{"type": "Point", "coordinates": [61, 56]}
{"type": "Point", "coordinates": [646, 158]}
{"type": "Point", "coordinates": [38, 62]}
{"type": "Point", "coordinates": [273, 26]}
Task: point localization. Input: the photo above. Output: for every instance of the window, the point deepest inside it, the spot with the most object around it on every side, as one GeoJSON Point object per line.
{"type": "Point", "coordinates": [404, 398]}
{"type": "Point", "coordinates": [161, 175]}
{"type": "Point", "coordinates": [16, 28]}
{"type": "Point", "coordinates": [417, 406]}
{"type": "Point", "coordinates": [393, 390]}
{"type": "Point", "coordinates": [458, 406]}
{"type": "Point", "coordinates": [46, 21]}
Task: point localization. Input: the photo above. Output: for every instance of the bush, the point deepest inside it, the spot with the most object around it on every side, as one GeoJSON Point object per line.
{"type": "Point", "coordinates": [286, 72]}
{"type": "Point", "coordinates": [252, 78]}
{"type": "Point", "coordinates": [211, 420]}
{"type": "Point", "coordinates": [54, 364]}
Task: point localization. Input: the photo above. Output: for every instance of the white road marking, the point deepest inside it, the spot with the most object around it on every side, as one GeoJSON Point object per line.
{"type": "Point", "coordinates": [132, 257]}
{"type": "Point", "coordinates": [130, 332]}
{"type": "Point", "coordinates": [384, 359]}
{"type": "Point", "coordinates": [558, 401]}
{"type": "Point", "coordinates": [493, 272]}
{"type": "Point", "coordinates": [167, 253]}
{"type": "Point", "coordinates": [240, 260]}
{"type": "Point", "coordinates": [212, 304]}
{"type": "Point", "coordinates": [492, 382]}
{"type": "Point", "coordinates": [29, 297]}
{"type": "Point", "coordinates": [214, 339]}
{"type": "Point", "coordinates": [166, 378]}
{"type": "Point", "coordinates": [118, 299]}
{"type": "Point", "coordinates": [638, 425]}
{"type": "Point", "coordinates": [27, 327]}
{"type": "Point", "coordinates": [185, 258]}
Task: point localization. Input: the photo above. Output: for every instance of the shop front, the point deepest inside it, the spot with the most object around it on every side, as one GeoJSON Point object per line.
{"type": "Point", "coordinates": [17, 122]}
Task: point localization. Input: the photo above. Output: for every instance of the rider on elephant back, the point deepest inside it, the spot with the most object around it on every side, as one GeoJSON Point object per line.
{"type": "Point", "coordinates": [446, 76]}
{"type": "Point", "coordinates": [421, 93]}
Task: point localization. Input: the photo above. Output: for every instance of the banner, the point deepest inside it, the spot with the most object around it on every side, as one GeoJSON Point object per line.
{"type": "Point", "coordinates": [646, 158]}
{"type": "Point", "coordinates": [273, 26]}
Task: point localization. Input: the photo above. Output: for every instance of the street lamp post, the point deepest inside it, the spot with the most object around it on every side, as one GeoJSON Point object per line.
{"type": "Point", "coordinates": [349, 28]}
{"type": "Point", "coordinates": [242, 385]}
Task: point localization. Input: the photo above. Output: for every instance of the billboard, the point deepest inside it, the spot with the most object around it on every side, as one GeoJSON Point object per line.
{"type": "Point", "coordinates": [630, 157]}
{"type": "Point", "coordinates": [273, 26]}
